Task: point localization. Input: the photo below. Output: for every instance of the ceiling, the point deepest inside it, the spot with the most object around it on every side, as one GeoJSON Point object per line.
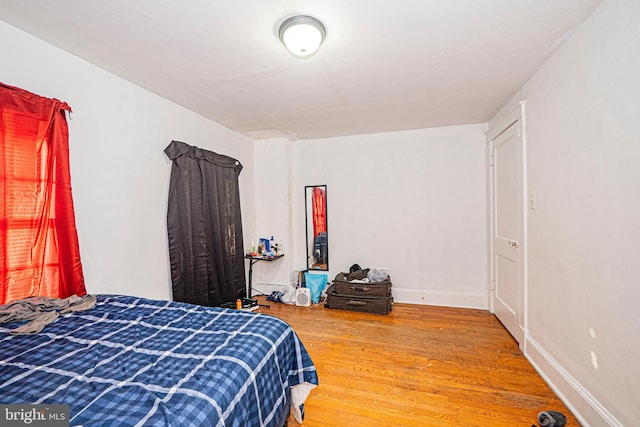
{"type": "Point", "coordinates": [384, 66]}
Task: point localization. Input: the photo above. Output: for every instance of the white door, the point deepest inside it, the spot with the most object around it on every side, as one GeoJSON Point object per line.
{"type": "Point", "coordinates": [508, 293]}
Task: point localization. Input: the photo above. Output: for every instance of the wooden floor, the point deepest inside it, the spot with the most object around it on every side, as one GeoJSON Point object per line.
{"type": "Point", "coordinates": [418, 366]}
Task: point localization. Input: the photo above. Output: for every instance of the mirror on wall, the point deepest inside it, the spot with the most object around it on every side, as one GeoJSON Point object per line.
{"type": "Point", "coordinates": [315, 197]}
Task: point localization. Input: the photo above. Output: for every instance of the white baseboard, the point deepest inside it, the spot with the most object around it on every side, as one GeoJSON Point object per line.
{"type": "Point", "coordinates": [587, 409]}
{"type": "Point", "coordinates": [267, 288]}
{"type": "Point", "coordinates": [409, 296]}
{"type": "Point", "coordinates": [441, 298]}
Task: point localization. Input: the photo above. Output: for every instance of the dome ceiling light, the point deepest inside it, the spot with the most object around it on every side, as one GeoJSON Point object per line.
{"type": "Point", "coordinates": [302, 35]}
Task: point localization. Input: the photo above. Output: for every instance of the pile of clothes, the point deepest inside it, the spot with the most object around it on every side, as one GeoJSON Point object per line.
{"type": "Point", "coordinates": [41, 311]}
{"type": "Point", "coordinates": [364, 275]}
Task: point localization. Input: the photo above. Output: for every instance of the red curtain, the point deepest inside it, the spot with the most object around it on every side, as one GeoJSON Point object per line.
{"type": "Point", "coordinates": [319, 212]}
{"type": "Point", "coordinates": [39, 252]}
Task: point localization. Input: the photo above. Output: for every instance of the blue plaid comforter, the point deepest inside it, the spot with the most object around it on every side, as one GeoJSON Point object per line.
{"type": "Point", "coordinates": [132, 361]}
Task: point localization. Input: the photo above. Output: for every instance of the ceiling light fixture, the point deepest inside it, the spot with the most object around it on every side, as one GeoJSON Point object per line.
{"type": "Point", "coordinates": [302, 35]}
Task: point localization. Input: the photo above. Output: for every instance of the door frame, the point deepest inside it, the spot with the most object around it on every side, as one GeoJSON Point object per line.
{"type": "Point", "coordinates": [515, 114]}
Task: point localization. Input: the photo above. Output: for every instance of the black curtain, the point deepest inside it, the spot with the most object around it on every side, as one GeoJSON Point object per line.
{"type": "Point", "coordinates": [204, 226]}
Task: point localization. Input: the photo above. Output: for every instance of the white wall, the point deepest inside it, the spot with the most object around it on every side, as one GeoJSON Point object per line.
{"type": "Point", "coordinates": [119, 171]}
{"type": "Point", "coordinates": [412, 201]}
{"type": "Point", "coordinates": [273, 211]}
{"type": "Point", "coordinates": [583, 136]}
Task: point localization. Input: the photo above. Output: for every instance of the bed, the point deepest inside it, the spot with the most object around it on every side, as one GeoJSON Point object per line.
{"type": "Point", "coordinates": [134, 361]}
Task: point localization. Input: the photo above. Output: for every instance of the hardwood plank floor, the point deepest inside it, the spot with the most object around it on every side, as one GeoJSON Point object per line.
{"type": "Point", "coordinates": [418, 366]}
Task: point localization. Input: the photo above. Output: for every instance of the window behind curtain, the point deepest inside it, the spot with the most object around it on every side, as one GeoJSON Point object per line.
{"type": "Point", "coordinates": [39, 252]}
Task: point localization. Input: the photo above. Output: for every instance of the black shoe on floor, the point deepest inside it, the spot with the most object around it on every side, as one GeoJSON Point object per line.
{"type": "Point", "coordinates": [551, 419]}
